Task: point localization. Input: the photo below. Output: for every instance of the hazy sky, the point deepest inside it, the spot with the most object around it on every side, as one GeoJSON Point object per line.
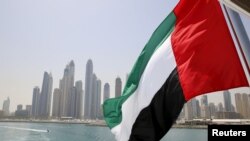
{"type": "Point", "coordinates": [45, 35]}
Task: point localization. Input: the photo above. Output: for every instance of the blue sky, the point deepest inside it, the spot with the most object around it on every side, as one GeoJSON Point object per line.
{"type": "Point", "coordinates": [45, 35]}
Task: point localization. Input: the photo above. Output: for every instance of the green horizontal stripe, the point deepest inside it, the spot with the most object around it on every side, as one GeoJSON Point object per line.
{"type": "Point", "coordinates": [112, 107]}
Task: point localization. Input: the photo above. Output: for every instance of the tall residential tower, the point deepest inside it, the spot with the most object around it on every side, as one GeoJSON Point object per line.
{"type": "Point", "coordinates": [106, 91]}
{"type": "Point", "coordinates": [35, 102]}
{"type": "Point", "coordinates": [66, 86]}
{"type": "Point", "coordinates": [45, 98]}
{"type": "Point", "coordinates": [6, 107]}
{"type": "Point", "coordinates": [227, 101]}
{"type": "Point", "coordinates": [88, 89]}
{"type": "Point", "coordinates": [118, 87]}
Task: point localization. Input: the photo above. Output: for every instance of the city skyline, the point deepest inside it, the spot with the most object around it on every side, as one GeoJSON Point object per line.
{"type": "Point", "coordinates": [38, 36]}
{"type": "Point", "coordinates": [71, 63]}
{"type": "Point", "coordinates": [75, 97]}
{"type": "Point", "coordinates": [69, 99]}
{"type": "Point", "coordinates": [70, 103]}
{"type": "Point", "coordinates": [37, 89]}
{"type": "Point", "coordinates": [209, 110]}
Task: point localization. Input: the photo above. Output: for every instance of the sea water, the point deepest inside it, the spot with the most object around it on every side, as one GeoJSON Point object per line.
{"type": "Point", "coordinates": [23, 131]}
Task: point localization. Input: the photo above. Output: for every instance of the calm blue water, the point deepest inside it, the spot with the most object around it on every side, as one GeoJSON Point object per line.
{"type": "Point", "coordinates": [79, 132]}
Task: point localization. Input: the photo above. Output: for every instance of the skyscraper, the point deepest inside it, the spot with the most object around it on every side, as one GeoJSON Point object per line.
{"type": "Point", "coordinates": [19, 107]}
{"type": "Point", "coordinates": [88, 89]}
{"type": "Point", "coordinates": [93, 96]}
{"type": "Point", "coordinates": [204, 107]}
{"type": "Point", "coordinates": [6, 107]}
{"type": "Point", "coordinates": [242, 105]}
{"type": "Point", "coordinates": [204, 100]}
{"type": "Point", "coordinates": [188, 111]}
{"type": "Point", "coordinates": [118, 87]}
{"type": "Point", "coordinates": [198, 108]}
{"type": "Point", "coordinates": [72, 102]}
{"type": "Point", "coordinates": [28, 109]}
{"type": "Point", "coordinates": [56, 102]}
{"type": "Point", "coordinates": [227, 101]}
{"type": "Point", "coordinates": [76, 101]}
{"type": "Point", "coordinates": [106, 91]}
{"type": "Point", "coordinates": [246, 105]}
{"type": "Point", "coordinates": [194, 108]}
{"type": "Point", "coordinates": [220, 107]}
{"type": "Point", "coordinates": [98, 102]}
{"type": "Point", "coordinates": [45, 98]}
{"type": "Point", "coordinates": [66, 86]}
{"type": "Point", "coordinates": [35, 101]}
{"type": "Point", "coordinates": [212, 109]}
{"type": "Point", "coordinates": [79, 99]}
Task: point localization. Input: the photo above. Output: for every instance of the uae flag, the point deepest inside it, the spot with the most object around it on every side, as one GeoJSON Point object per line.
{"type": "Point", "coordinates": [191, 53]}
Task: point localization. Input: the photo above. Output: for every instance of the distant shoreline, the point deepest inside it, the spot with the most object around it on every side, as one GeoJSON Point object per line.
{"type": "Point", "coordinates": [103, 124]}
{"type": "Point", "coordinates": [97, 123]}
{"type": "Point", "coordinates": [91, 123]}
{"type": "Point", "coordinates": [190, 126]}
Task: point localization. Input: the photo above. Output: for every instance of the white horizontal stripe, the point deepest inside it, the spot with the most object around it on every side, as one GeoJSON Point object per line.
{"type": "Point", "coordinates": [159, 67]}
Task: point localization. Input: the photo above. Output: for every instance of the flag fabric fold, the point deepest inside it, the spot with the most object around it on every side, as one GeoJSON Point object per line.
{"type": "Point", "coordinates": [189, 54]}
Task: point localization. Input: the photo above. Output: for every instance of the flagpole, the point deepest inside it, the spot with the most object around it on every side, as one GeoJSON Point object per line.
{"type": "Point", "coordinates": [239, 36]}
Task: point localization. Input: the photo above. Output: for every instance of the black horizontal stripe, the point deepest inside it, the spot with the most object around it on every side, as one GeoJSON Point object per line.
{"type": "Point", "coordinates": [155, 120]}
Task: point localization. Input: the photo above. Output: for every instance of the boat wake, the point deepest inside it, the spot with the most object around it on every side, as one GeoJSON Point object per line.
{"type": "Point", "coordinates": [26, 129]}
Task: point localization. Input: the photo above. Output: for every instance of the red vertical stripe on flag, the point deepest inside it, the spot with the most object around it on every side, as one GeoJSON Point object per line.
{"type": "Point", "coordinates": [206, 58]}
